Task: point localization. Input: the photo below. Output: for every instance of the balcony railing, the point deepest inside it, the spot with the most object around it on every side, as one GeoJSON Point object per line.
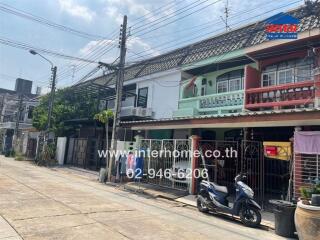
{"type": "Point", "coordinates": [213, 104]}
{"type": "Point", "coordinates": [285, 95]}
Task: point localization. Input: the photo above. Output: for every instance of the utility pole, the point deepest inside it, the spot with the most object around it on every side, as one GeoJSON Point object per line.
{"type": "Point", "coordinates": [119, 86]}
{"type": "Point", "coordinates": [16, 130]}
{"type": "Point", "coordinates": [51, 98]}
{"type": "Point", "coordinates": [226, 14]}
{"type": "Point", "coordinates": [53, 88]}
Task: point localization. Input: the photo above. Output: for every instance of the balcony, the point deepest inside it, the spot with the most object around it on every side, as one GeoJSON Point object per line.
{"type": "Point", "coordinates": [219, 103]}
{"type": "Point", "coordinates": [129, 109]}
{"type": "Point", "coordinates": [286, 95]}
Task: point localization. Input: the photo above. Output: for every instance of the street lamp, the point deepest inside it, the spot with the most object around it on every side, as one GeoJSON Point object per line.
{"type": "Point", "coordinates": [53, 86]}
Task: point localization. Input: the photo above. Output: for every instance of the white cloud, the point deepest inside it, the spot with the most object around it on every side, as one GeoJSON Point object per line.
{"type": "Point", "coordinates": [101, 45]}
{"type": "Point", "coordinates": [114, 13]}
{"type": "Point", "coordinates": [75, 9]}
{"type": "Point", "coordinates": [136, 44]}
{"type": "Point", "coordinates": [131, 7]}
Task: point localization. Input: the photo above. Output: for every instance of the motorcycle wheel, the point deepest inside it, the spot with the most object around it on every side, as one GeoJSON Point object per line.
{"type": "Point", "coordinates": [250, 216]}
{"type": "Point", "coordinates": [201, 206]}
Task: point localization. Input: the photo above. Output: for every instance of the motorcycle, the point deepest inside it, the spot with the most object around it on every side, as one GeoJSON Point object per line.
{"type": "Point", "coordinates": [213, 197]}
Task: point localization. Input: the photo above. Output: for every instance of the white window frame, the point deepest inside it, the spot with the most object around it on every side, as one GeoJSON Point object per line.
{"type": "Point", "coordinates": [223, 82]}
{"type": "Point", "coordinates": [297, 68]}
{"type": "Point", "coordinates": [267, 73]}
{"type": "Point", "coordinates": [285, 70]}
{"type": "Point", "coordinates": [235, 79]}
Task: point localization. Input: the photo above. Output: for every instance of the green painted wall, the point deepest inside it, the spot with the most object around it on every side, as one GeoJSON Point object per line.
{"type": "Point", "coordinates": [215, 59]}
{"type": "Point", "coordinates": [160, 134]}
{"type": "Point", "coordinates": [212, 76]}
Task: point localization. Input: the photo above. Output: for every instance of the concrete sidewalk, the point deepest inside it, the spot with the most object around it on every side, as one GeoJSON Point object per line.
{"type": "Point", "coordinates": [156, 191]}
{"type": "Point", "coordinates": [7, 232]}
{"type": "Point", "coordinates": [41, 203]}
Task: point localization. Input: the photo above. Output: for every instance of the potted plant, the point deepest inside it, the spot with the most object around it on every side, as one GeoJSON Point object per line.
{"type": "Point", "coordinates": [307, 215]}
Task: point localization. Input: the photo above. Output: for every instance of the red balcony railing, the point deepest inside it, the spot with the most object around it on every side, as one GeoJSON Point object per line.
{"type": "Point", "coordinates": [284, 95]}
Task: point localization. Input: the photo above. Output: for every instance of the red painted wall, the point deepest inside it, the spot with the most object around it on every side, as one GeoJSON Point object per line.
{"type": "Point", "coordinates": [252, 78]}
{"type": "Point", "coordinates": [269, 61]}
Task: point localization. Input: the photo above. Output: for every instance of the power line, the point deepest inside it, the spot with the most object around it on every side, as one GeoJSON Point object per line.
{"type": "Point", "coordinates": [142, 33]}
{"type": "Point", "coordinates": [79, 67]}
{"type": "Point", "coordinates": [29, 16]}
{"type": "Point", "coordinates": [204, 35]}
{"type": "Point", "coordinates": [26, 46]}
{"type": "Point", "coordinates": [204, 25]}
{"type": "Point", "coordinates": [94, 52]}
{"type": "Point", "coordinates": [163, 8]}
{"type": "Point", "coordinates": [170, 15]}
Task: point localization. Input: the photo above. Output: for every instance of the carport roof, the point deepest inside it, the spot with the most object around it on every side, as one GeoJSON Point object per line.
{"type": "Point", "coordinates": [274, 118]}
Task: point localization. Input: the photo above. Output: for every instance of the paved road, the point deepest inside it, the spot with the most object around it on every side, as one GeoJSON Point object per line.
{"type": "Point", "coordinates": [41, 203]}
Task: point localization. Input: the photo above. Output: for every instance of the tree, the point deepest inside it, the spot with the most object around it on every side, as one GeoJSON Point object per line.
{"type": "Point", "coordinates": [67, 106]}
{"type": "Point", "coordinates": [104, 117]}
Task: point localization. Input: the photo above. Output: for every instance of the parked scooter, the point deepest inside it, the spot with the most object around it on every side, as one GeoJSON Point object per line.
{"type": "Point", "coordinates": [213, 197]}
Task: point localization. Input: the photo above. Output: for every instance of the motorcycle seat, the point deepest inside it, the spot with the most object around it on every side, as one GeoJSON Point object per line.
{"type": "Point", "coordinates": [219, 188]}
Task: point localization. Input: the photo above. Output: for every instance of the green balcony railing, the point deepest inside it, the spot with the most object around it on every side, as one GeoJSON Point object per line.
{"type": "Point", "coordinates": [212, 104]}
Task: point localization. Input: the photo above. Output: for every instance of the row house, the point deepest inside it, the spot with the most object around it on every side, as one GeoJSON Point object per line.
{"type": "Point", "coordinates": [241, 89]}
{"type": "Point", "coordinates": [280, 76]}
{"type": "Point", "coordinates": [237, 88]}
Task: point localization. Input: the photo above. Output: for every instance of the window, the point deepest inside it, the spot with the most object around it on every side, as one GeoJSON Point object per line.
{"type": "Point", "coordinates": [111, 104]}
{"type": "Point", "coordinates": [222, 86]}
{"type": "Point", "coordinates": [30, 112]}
{"type": "Point", "coordinates": [268, 79]}
{"type": "Point", "coordinates": [230, 81]}
{"type": "Point", "coordinates": [203, 87]}
{"type": "Point", "coordinates": [296, 70]}
{"type": "Point", "coordinates": [285, 76]}
{"type": "Point", "coordinates": [235, 84]}
{"type": "Point", "coordinates": [303, 73]}
{"type": "Point", "coordinates": [142, 97]}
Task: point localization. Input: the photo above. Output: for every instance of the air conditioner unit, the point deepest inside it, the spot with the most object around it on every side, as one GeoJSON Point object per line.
{"type": "Point", "coordinates": [127, 112]}
{"type": "Point", "coordinates": [143, 112]}
{"type": "Point", "coordinates": [136, 111]}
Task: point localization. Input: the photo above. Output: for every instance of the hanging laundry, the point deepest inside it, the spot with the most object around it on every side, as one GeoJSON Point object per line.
{"type": "Point", "coordinates": [123, 164]}
{"type": "Point", "coordinates": [131, 162]}
{"type": "Point", "coordinates": [139, 168]}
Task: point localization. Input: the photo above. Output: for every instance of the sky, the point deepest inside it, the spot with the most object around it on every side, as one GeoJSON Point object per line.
{"type": "Point", "coordinates": [155, 28]}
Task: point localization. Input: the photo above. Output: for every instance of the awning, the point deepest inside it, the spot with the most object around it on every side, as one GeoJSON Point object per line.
{"type": "Point", "coordinates": [307, 142]}
{"type": "Point", "coordinates": [275, 118]}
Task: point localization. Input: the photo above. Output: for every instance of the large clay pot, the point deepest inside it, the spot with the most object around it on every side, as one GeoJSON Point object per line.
{"type": "Point", "coordinates": [307, 221]}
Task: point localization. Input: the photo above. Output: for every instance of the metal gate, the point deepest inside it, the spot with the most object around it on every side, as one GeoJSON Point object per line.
{"type": "Point", "coordinates": [306, 172]}
{"type": "Point", "coordinates": [31, 148]}
{"type": "Point", "coordinates": [83, 152]}
{"type": "Point", "coordinates": [231, 158]}
{"type": "Point", "coordinates": [252, 164]}
{"type": "Point", "coordinates": [220, 158]}
{"type": "Point", "coordinates": [164, 159]}
{"type": "Point", "coordinates": [80, 152]}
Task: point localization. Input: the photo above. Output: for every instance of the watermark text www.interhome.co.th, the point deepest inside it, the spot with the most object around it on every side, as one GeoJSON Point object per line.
{"type": "Point", "coordinates": [166, 153]}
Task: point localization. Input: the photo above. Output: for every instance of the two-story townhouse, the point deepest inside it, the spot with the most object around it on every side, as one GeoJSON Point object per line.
{"type": "Point", "coordinates": [149, 92]}
{"type": "Point", "coordinates": [250, 91]}
{"type": "Point", "coordinates": [11, 101]}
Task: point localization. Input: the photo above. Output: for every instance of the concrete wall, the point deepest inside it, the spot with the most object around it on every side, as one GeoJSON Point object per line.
{"type": "Point", "coordinates": [61, 149]}
{"type": "Point", "coordinates": [163, 93]}
{"type": "Point", "coordinates": [212, 76]}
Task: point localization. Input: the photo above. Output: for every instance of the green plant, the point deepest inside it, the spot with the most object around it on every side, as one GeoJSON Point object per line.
{"type": "Point", "coordinates": [19, 157]}
{"type": "Point", "coordinates": [47, 156]}
{"type": "Point", "coordinates": [104, 117]}
{"type": "Point", "coordinates": [306, 192]}
{"type": "Point", "coordinates": [67, 106]}
{"type": "Point", "coordinates": [12, 153]}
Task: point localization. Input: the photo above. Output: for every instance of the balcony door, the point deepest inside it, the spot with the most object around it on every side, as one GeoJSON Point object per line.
{"type": "Point", "coordinates": [142, 100]}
